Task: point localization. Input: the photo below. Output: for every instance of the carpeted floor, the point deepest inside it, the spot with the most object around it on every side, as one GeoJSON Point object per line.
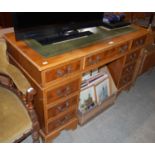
{"type": "Point", "coordinates": [131, 119]}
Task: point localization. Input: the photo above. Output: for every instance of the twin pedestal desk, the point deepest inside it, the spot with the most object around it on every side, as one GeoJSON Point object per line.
{"type": "Point", "coordinates": [57, 79]}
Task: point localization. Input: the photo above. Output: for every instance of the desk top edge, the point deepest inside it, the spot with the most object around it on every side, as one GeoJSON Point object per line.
{"type": "Point", "coordinates": [42, 63]}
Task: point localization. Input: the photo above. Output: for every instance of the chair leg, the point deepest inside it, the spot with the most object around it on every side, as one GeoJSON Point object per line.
{"type": "Point", "coordinates": [33, 116]}
{"type": "Point", "coordinates": [35, 136]}
{"type": "Point", "coordinates": [35, 131]}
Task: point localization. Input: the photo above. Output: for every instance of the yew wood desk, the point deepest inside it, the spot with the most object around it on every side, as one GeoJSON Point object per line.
{"type": "Point", "coordinates": [57, 79]}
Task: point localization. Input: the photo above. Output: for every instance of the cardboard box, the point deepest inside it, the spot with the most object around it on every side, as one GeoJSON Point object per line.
{"type": "Point", "coordinates": [85, 117]}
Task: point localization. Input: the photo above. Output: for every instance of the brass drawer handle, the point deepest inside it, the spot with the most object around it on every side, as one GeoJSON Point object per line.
{"type": "Point", "coordinates": [67, 104]}
{"type": "Point", "coordinates": [133, 56]}
{"type": "Point", "coordinates": [90, 61]}
{"type": "Point", "coordinates": [60, 109]}
{"type": "Point", "coordinates": [58, 123]}
{"type": "Point", "coordinates": [93, 62]}
{"type": "Point", "coordinates": [137, 42]}
{"type": "Point", "coordinates": [98, 58]}
{"type": "Point", "coordinates": [64, 92]}
{"type": "Point", "coordinates": [59, 93]}
{"type": "Point", "coordinates": [64, 120]}
{"type": "Point", "coordinates": [69, 69]}
{"type": "Point", "coordinates": [141, 41]}
{"type": "Point", "coordinates": [123, 48]}
{"type": "Point", "coordinates": [60, 73]}
{"type": "Point", "coordinates": [129, 69]}
{"type": "Point", "coordinates": [68, 90]}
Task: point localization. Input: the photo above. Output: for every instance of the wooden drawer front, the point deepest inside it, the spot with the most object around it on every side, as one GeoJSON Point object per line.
{"type": "Point", "coordinates": [97, 58]}
{"type": "Point", "coordinates": [138, 42]}
{"type": "Point", "coordinates": [62, 71]}
{"type": "Point", "coordinates": [129, 69]}
{"type": "Point", "coordinates": [62, 107]}
{"type": "Point", "coordinates": [132, 57]}
{"type": "Point", "coordinates": [61, 121]}
{"type": "Point", "coordinates": [63, 91]}
{"type": "Point", "coordinates": [125, 80]}
{"type": "Point", "coordinates": [93, 60]}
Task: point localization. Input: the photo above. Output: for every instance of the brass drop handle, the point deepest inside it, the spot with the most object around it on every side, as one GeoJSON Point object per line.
{"type": "Point", "coordinates": [64, 92]}
{"type": "Point", "coordinates": [57, 123]}
{"type": "Point", "coordinates": [60, 73]}
{"type": "Point", "coordinates": [90, 61]}
{"type": "Point", "coordinates": [98, 58]}
{"type": "Point", "coordinates": [66, 118]}
{"type": "Point", "coordinates": [67, 104]}
{"type": "Point", "coordinates": [137, 42]}
{"type": "Point", "coordinates": [133, 56]}
{"type": "Point", "coordinates": [62, 121]}
{"type": "Point", "coordinates": [141, 41]}
{"type": "Point", "coordinates": [59, 93]}
{"type": "Point", "coordinates": [69, 69]}
{"type": "Point", "coordinates": [123, 49]}
{"type": "Point", "coordinates": [67, 90]}
{"type": "Point", "coordinates": [60, 109]}
{"type": "Point", "coordinates": [129, 69]}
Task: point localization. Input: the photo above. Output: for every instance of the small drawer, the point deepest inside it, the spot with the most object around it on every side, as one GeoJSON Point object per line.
{"type": "Point", "coordinates": [62, 71]}
{"type": "Point", "coordinates": [61, 121]}
{"type": "Point", "coordinates": [62, 107]}
{"type": "Point", "coordinates": [132, 57]}
{"type": "Point", "coordinates": [129, 69]}
{"type": "Point", "coordinates": [125, 80]}
{"type": "Point", "coordinates": [109, 53]}
{"type": "Point", "coordinates": [94, 59]}
{"type": "Point", "coordinates": [138, 42]}
{"type": "Point", "coordinates": [98, 58]}
{"type": "Point", "coordinates": [63, 91]}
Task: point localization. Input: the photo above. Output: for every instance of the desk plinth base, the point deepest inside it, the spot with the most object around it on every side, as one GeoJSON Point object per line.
{"type": "Point", "coordinates": [47, 138]}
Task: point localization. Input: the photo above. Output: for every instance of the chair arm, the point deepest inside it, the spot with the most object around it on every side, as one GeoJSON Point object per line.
{"type": "Point", "coordinates": [18, 78]}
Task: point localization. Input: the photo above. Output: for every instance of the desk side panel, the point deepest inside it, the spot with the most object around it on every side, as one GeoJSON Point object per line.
{"type": "Point", "coordinates": [35, 74]}
{"type": "Point", "coordinates": [38, 98]}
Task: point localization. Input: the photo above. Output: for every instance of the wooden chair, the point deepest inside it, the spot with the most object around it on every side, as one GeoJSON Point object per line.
{"type": "Point", "coordinates": [17, 115]}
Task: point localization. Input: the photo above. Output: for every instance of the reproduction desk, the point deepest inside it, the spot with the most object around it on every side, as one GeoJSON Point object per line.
{"type": "Point", "coordinates": [57, 79]}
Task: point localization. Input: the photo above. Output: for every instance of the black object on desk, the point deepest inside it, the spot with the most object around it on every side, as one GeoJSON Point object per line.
{"type": "Point", "coordinates": [116, 25]}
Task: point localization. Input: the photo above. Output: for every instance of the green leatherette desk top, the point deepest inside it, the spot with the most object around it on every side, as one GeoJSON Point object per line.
{"type": "Point", "coordinates": [100, 34]}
